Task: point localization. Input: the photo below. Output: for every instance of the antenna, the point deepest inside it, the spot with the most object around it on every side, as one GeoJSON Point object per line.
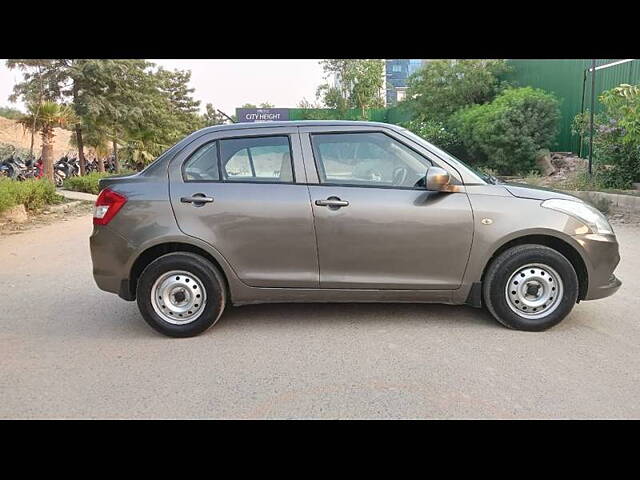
{"type": "Point", "coordinates": [222, 113]}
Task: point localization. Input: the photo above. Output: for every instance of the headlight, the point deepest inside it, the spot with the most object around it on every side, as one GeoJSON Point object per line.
{"type": "Point", "coordinates": [588, 215]}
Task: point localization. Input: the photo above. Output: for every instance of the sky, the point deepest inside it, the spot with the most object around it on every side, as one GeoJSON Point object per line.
{"type": "Point", "coordinates": [227, 84]}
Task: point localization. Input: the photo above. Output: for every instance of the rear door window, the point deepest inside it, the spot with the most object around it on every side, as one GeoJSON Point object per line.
{"type": "Point", "coordinates": [256, 159]}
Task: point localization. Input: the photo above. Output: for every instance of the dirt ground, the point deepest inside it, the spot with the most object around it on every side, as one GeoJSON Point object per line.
{"type": "Point", "coordinates": [44, 217]}
{"type": "Point", "coordinates": [12, 133]}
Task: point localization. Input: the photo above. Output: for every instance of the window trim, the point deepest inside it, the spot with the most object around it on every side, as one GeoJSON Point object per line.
{"type": "Point", "coordinates": [321, 171]}
{"type": "Point", "coordinates": [221, 178]}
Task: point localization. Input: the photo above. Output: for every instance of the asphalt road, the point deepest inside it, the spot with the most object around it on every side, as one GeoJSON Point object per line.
{"type": "Point", "coordinates": [69, 350]}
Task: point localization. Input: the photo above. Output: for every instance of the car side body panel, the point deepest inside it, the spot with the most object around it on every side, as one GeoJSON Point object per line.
{"type": "Point", "coordinates": [496, 216]}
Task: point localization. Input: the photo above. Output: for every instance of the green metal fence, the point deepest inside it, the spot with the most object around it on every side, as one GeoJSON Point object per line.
{"type": "Point", "coordinates": [570, 81]}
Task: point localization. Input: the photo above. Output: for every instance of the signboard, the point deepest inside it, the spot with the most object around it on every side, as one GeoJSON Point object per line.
{"type": "Point", "coordinates": [262, 114]}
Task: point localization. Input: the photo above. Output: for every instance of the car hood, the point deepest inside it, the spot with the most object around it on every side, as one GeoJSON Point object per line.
{"type": "Point", "coordinates": [536, 193]}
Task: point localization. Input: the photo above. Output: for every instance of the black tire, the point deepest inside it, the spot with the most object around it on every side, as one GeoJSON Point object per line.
{"type": "Point", "coordinates": [212, 282]}
{"type": "Point", "coordinates": [509, 262]}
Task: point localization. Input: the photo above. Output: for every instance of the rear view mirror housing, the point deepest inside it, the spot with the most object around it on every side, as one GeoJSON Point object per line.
{"type": "Point", "coordinates": [437, 179]}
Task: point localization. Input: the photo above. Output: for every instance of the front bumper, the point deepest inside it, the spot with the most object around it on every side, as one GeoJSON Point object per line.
{"type": "Point", "coordinates": [601, 255]}
{"type": "Point", "coordinates": [605, 290]}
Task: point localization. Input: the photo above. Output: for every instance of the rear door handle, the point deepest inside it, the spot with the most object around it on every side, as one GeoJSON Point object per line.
{"type": "Point", "coordinates": [198, 199]}
{"type": "Point", "coordinates": [332, 202]}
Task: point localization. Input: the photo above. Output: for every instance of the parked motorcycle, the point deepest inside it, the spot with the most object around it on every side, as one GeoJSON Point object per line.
{"type": "Point", "coordinates": [13, 167]}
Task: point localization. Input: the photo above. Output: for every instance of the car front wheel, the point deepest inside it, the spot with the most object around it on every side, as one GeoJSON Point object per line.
{"type": "Point", "coordinates": [530, 287]}
{"type": "Point", "coordinates": [181, 294]}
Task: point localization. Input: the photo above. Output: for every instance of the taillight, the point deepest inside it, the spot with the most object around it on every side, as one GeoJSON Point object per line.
{"type": "Point", "coordinates": [107, 205]}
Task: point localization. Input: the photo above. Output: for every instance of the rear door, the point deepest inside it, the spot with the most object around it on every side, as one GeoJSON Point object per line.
{"type": "Point", "coordinates": [377, 226]}
{"type": "Point", "coordinates": [243, 192]}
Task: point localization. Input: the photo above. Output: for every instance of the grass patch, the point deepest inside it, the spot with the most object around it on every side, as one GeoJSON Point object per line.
{"type": "Point", "coordinates": [33, 194]}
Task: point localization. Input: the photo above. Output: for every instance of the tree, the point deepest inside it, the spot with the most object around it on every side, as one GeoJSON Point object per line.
{"type": "Point", "coordinates": [37, 86]}
{"type": "Point", "coordinates": [442, 87]}
{"type": "Point", "coordinates": [45, 118]}
{"type": "Point", "coordinates": [125, 101]}
{"type": "Point", "coordinates": [183, 109]}
{"type": "Point", "coordinates": [358, 84]}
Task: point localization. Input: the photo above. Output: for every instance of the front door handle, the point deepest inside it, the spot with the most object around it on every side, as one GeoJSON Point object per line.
{"type": "Point", "coordinates": [332, 202]}
{"type": "Point", "coordinates": [198, 199]}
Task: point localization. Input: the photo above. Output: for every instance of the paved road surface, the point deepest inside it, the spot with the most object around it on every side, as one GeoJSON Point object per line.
{"type": "Point", "coordinates": [68, 350]}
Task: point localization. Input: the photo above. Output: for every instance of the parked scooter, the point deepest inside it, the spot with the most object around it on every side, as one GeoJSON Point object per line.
{"type": "Point", "coordinates": [13, 167]}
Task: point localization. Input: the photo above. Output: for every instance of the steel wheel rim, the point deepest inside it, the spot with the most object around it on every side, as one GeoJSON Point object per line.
{"type": "Point", "coordinates": [178, 297]}
{"type": "Point", "coordinates": [534, 291]}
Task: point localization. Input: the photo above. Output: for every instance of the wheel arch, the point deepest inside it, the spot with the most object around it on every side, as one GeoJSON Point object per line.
{"type": "Point", "coordinates": [561, 246]}
{"type": "Point", "coordinates": [128, 289]}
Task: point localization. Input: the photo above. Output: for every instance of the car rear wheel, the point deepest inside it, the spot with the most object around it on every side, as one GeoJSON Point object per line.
{"type": "Point", "coordinates": [530, 287]}
{"type": "Point", "coordinates": [181, 294]}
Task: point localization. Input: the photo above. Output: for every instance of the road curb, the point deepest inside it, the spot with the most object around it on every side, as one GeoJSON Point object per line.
{"type": "Point", "coordinates": [615, 200]}
{"type": "Point", "coordinates": [65, 207]}
{"type": "Point", "coordinates": [70, 194]}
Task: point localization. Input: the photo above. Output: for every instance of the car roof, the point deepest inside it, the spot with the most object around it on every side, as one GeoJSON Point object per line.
{"type": "Point", "coordinates": [297, 123]}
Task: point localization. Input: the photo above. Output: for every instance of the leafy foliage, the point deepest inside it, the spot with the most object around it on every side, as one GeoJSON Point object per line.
{"type": "Point", "coordinates": [435, 132]}
{"type": "Point", "coordinates": [126, 103]}
{"type": "Point", "coordinates": [616, 140]}
{"type": "Point", "coordinates": [441, 87]}
{"type": "Point", "coordinates": [12, 113]}
{"type": "Point", "coordinates": [358, 84]}
{"type": "Point", "coordinates": [507, 134]}
{"type": "Point", "coordinates": [33, 194]}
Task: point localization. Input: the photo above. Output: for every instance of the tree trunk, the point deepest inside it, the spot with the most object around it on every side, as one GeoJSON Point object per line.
{"type": "Point", "coordinates": [116, 160]}
{"type": "Point", "coordinates": [100, 164]}
{"type": "Point", "coordinates": [47, 154]}
{"type": "Point", "coordinates": [81, 159]}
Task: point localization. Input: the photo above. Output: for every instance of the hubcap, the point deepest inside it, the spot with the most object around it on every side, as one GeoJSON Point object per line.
{"type": "Point", "coordinates": [178, 297]}
{"type": "Point", "coordinates": [534, 291]}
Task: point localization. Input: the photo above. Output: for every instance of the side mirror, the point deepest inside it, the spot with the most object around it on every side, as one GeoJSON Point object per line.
{"type": "Point", "coordinates": [437, 179]}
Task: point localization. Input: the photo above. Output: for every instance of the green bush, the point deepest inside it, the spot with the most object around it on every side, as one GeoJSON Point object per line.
{"type": "Point", "coordinates": [507, 134]}
{"type": "Point", "coordinates": [12, 113]}
{"type": "Point", "coordinates": [33, 194]}
{"type": "Point", "coordinates": [89, 183]}
{"type": "Point", "coordinates": [435, 132]}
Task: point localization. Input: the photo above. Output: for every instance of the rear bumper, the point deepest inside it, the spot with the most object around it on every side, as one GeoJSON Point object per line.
{"type": "Point", "coordinates": [110, 254]}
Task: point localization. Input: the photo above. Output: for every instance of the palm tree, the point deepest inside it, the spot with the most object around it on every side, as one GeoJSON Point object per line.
{"type": "Point", "coordinates": [44, 118]}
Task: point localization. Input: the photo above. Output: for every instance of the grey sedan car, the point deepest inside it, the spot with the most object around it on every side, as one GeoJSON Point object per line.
{"type": "Point", "coordinates": [333, 211]}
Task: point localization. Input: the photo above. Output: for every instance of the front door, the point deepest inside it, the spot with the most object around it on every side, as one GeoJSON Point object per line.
{"type": "Point", "coordinates": [240, 193]}
{"type": "Point", "coordinates": [376, 225]}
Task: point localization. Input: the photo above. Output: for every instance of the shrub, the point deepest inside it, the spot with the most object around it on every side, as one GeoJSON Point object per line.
{"type": "Point", "coordinates": [507, 134]}
{"type": "Point", "coordinates": [33, 194]}
{"type": "Point", "coordinates": [616, 140]}
{"type": "Point", "coordinates": [89, 183]}
{"type": "Point", "coordinates": [435, 132]}
{"type": "Point", "coordinates": [12, 113]}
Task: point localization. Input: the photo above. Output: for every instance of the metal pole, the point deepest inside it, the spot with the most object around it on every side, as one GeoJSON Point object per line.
{"type": "Point", "coordinates": [593, 97]}
{"type": "Point", "coordinates": [584, 84]}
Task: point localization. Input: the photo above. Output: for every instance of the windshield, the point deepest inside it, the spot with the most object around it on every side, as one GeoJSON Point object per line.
{"type": "Point", "coordinates": [446, 155]}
